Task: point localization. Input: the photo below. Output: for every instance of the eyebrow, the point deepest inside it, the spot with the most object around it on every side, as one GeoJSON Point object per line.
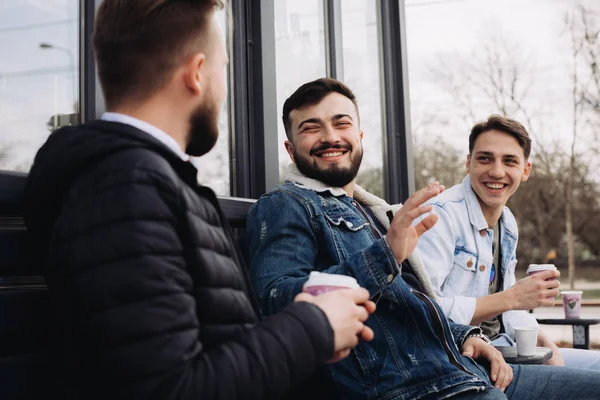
{"type": "Point", "coordinates": [310, 121]}
{"type": "Point", "coordinates": [489, 153]}
{"type": "Point", "coordinates": [319, 120]}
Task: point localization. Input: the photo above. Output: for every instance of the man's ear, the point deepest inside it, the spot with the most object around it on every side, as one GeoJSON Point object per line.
{"type": "Point", "coordinates": [193, 73]}
{"type": "Point", "coordinates": [527, 171]}
{"type": "Point", "coordinates": [468, 164]}
{"type": "Point", "coordinates": [290, 149]}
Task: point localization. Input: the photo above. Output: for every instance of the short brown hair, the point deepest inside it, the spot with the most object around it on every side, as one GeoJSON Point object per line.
{"type": "Point", "coordinates": [312, 93]}
{"type": "Point", "coordinates": [502, 124]}
{"type": "Point", "coordinates": [139, 43]}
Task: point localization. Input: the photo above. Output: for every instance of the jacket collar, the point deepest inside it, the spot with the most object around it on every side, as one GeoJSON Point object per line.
{"type": "Point", "coordinates": [476, 216]}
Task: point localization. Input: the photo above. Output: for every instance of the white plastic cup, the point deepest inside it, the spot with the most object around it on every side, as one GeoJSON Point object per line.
{"type": "Point", "coordinates": [526, 338]}
{"type": "Point", "coordinates": [320, 282]}
{"type": "Point", "coordinates": [572, 303]}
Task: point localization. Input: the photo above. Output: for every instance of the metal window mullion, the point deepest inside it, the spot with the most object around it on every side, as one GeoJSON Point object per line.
{"type": "Point", "coordinates": [398, 149]}
{"type": "Point", "coordinates": [91, 100]}
{"type": "Point", "coordinates": [254, 159]}
{"type": "Point", "coordinates": [334, 49]}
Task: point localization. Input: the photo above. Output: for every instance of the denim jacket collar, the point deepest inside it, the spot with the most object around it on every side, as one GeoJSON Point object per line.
{"type": "Point", "coordinates": [476, 214]}
{"type": "Point", "coordinates": [378, 206]}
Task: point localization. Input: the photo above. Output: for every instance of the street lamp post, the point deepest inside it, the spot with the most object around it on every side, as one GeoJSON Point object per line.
{"type": "Point", "coordinates": [46, 46]}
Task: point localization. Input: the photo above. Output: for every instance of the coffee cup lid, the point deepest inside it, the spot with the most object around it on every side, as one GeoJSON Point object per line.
{"type": "Point", "coordinates": [540, 267]}
{"type": "Point", "coordinates": [323, 279]}
{"type": "Point", "coordinates": [571, 292]}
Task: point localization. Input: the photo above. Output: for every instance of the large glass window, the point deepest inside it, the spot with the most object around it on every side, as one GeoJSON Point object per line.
{"type": "Point", "coordinates": [214, 167]}
{"type": "Point", "coordinates": [300, 53]}
{"type": "Point", "coordinates": [39, 79]}
{"type": "Point", "coordinates": [532, 60]}
{"type": "Point", "coordinates": [361, 70]}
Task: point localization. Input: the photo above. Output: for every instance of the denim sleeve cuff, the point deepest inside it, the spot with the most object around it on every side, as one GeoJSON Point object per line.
{"type": "Point", "coordinates": [381, 262]}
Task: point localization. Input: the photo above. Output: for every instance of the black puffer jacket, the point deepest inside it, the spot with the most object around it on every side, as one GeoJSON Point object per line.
{"type": "Point", "coordinates": [152, 296]}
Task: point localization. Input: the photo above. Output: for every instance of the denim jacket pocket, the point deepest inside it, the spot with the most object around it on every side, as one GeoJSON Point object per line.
{"type": "Point", "coordinates": [463, 274]}
{"type": "Point", "coordinates": [346, 221]}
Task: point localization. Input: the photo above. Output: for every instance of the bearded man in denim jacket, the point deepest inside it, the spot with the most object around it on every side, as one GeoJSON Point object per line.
{"type": "Point", "coordinates": [320, 220]}
{"type": "Point", "coordinates": [470, 254]}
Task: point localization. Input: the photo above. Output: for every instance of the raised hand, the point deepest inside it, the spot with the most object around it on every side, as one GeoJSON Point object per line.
{"type": "Point", "coordinates": [402, 236]}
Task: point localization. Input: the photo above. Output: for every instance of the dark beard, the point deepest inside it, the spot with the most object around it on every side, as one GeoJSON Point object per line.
{"type": "Point", "coordinates": [334, 176]}
{"type": "Point", "coordinates": [204, 131]}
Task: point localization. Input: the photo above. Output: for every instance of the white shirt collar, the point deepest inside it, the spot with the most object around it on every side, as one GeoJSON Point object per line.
{"type": "Point", "coordinates": [150, 129]}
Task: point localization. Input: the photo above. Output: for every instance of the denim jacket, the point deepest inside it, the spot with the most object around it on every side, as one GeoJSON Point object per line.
{"type": "Point", "coordinates": [457, 253]}
{"type": "Point", "coordinates": [302, 226]}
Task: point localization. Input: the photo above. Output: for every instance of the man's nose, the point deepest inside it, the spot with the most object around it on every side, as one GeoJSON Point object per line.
{"type": "Point", "coordinates": [497, 170]}
{"type": "Point", "coordinates": [330, 135]}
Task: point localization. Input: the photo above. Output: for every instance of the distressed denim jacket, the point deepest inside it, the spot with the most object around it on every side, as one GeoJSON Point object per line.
{"type": "Point", "coordinates": [302, 226]}
{"type": "Point", "coordinates": [457, 253]}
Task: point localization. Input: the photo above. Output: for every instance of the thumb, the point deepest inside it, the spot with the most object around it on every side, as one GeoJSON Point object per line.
{"type": "Point", "coordinates": [468, 350]}
{"type": "Point", "coordinates": [304, 297]}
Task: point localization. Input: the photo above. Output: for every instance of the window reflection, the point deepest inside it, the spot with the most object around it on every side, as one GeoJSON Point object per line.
{"type": "Point", "coordinates": [39, 75]}
{"type": "Point", "coordinates": [300, 52]}
{"type": "Point", "coordinates": [362, 74]}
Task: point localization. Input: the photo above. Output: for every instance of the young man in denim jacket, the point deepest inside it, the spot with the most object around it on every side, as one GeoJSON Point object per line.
{"type": "Point", "coordinates": [320, 220]}
{"type": "Point", "coordinates": [470, 254]}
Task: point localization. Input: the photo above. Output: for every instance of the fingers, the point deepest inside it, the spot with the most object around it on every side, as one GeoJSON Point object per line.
{"type": "Point", "coordinates": [500, 372]}
{"type": "Point", "coordinates": [468, 350]}
{"type": "Point", "coordinates": [551, 274]}
{"type": "Point", "coordinates": [358, 296]}
{"type": "Point", "coordinates": [421, 196]}
{"type": "Point", "coordinates": [369, 306]}
{"type": "Point", "coordinates": [426, 224]}
{"type": "Point", "coordinates": [505, 376]}
{"type": "Point", "coordinates": [367, 334]}
{"type": "Point", "coordinates": [339, 355]}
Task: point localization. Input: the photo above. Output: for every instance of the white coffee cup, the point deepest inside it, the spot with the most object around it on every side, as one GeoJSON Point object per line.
{"type": "Point", "coordinates": [526, 338]}
{"type": "Point", "coordinates": [320, 282]}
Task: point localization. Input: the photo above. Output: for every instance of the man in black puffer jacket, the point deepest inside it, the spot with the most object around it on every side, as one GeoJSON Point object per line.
{"type": "Point", "coordinates": [152, 297]}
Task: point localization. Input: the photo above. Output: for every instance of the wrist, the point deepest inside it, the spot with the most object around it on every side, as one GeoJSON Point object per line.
{"type": "Point", "coordinates": [480, 336]}
{"type": "Point", "coordinates": [508, 299]}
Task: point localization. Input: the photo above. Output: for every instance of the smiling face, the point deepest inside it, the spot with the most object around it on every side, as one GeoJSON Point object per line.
{"type": "Point", "coordinates": [497, 166]}
{"type": "Point", "coordinates": [326, 141]}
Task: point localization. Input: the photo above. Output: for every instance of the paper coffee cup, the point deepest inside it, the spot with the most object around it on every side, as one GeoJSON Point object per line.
{"type": "Point", "coordinates": [572, 303]}
{"type": "Point", "coordinates": [526, 338]}
{"type": "Point", "coordinates": [320, 282]}
{"type": "Point", "coordinates": [535, 268]}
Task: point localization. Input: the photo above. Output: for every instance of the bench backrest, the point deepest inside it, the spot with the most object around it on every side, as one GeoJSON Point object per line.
{"type": "Point", "coordinates": [25, 308]}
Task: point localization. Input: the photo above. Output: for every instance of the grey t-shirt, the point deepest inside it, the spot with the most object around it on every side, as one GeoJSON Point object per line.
{"type": "Point", "coordinates": [491, 328]}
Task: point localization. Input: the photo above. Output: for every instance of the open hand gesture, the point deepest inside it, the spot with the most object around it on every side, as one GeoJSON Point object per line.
{"type": "Point", "coordinates": [402, 236]}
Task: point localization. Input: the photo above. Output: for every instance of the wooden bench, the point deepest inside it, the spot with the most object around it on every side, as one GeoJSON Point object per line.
{"type": "Point", "coordinates": [27, 345]}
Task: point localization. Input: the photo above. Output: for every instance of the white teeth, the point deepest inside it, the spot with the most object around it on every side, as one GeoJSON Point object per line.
{"type": "Point", "coordinates": [337, 153]}
{"type": "Point", "coordinates": [494, 185]}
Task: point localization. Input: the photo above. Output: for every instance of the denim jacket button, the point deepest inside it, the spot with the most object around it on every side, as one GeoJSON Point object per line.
{"type": "Point", "coordinates": [469, 263]}
{"type": "Point", "coordinates": [482, 232]}
{"type": "Point", "coordinates": [482, 268]}
{"type": "Point", "coordinates": [390, 278]}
